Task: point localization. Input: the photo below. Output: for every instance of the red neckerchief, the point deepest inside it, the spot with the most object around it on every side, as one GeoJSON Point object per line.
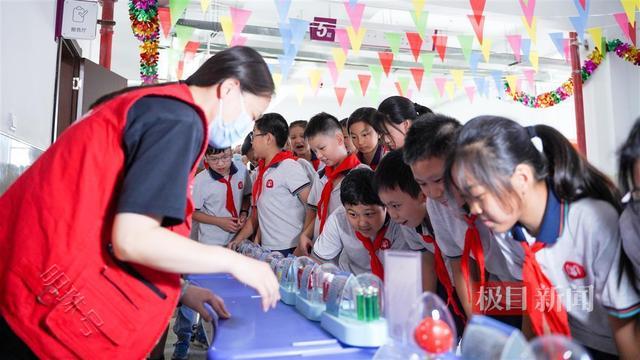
{"type": "Point", "coordinates": [230, 204]}
{"type": "Point", "coordinates": [472, 244]}
{"type": "Point", "coordinates": [332, 173]}
{"type": "Point", "coordinates": [257, 186]}
{"type": "Point", "coordinates": [443, 275]}
{"type": "Point", "coordinates": [372, 247]}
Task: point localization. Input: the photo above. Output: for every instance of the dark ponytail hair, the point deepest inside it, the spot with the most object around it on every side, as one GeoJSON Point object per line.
{"type": "Point", "coordinates": [490, 148]}
{"type": "Point", "coordinates": [629, 154]}
{"type": "Point", "coordinates": [399, 108]}
{"type": "Point", "coordinates": [369, 116]}
{"type": "Point", "coordinates": [239, 62]}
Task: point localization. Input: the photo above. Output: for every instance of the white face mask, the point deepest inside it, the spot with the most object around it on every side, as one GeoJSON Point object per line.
{"type": "Point", "coordinates": [223, 134]}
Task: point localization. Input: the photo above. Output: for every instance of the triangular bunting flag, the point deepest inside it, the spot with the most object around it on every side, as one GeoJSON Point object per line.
{"type": "Point", "coordinates": [417, 74]}
{"type": "Point", "coordinates": [376, 74]}
{"type": "Point", "coordinates": [625, 26]}
{"type": "Point", "coordinates": [512, 80]}
{"type": "Point", "coordinates": [277, 79]}
{"type": "Point", "coordinates": [177, 8]}
{"type": "Point", "coordinates": [227, 28]}
{"type": "Point", "coordinates": [356, 38]}
{"type": "Point", "coordinates": [404, 84]}
{"type": "Point", "coordinates": [466, 41]}
{"type": "Point", "coordinates": [286, 64]}
{"type": "Point", "coordinates": [314, 78]}
{"type": "Point", "coordinates": [629, 7]}
{"type": "Point", "coordinates": [486, 49]}
{"type": "Point", "coordinates": [238, 40]}
{"type": "Point", "coordinates": [355, 87]}
{"type": "Point", "coordinates": [440, 81]}
{"type": "Point", "coordinates": [374, 95]}
{"type": "Point", "coordinates": [420, 21]}
{"type": "Point", "coordinates": [530, 74]}
{"type": "Point", "coordinates": [474, 60]}
{"type": "Point", "coordinates": [497, 78]}
{"type": "Point", "coordinates": [298, 31]}
{"type": "Point", "coordinates": [339, 57]}
{"type": "Point", "coordinates": [183, 33]}
{"type": "Point", "coordinates": [394, 42]}
{"type": "Point", "coordinates": [533, 58]}
{"type": "Point", "coordinates": [164, 15]}
{"type": "Point", "coordinates": [440, 42]}
{"type": "Point", "coordinates": [343, 39]}
{"type": "Point", "coordinates": [333, 70]}
{"type": "Point", "coordinates": [458, 76]}
{"type": "Point", "coordinates": [286, 35]}
{"type": "Point", "coordinates": [579, 24]}
{"type": "Point", "coordinates": [418, 5]}
{"type": "Point", "coordinates": [478, 6]}
{"type": "Point", "coordinates": [283, 9]}
{"type": "Point", "coordinates": [239, 17]}
{"type": "Point", "coordinates": [558, 42]}
{"type": "Point", "coordinates": [528, 7]}
{"type": "Point", "coordinates": [399, 88]}
{"type": "Point", "coordinates": [355, 14]}
{"type": "Point", "coordinates": [427, 61]}
{"type": "Point", "coordinates": [300, 93]}
{"type": "Point", "coordinates": [204, 5]}
{"type": "Point", "coordinates": [450, 89]}
{"type": "Point", "coordinates": [386, 59]}
{"type": "Point", "coordinates": [180, 69]}
{"type": "Point", "coordinates": [471, 91]}
{"type": "Point", "coordinates": [364, 82]}
{"type": "Point", "coordinates": [340, 91]}
{"type": "Point", "coordinates": [526, 48]}
{"type": "Point", "coordinates": [596, 36]}
{"type": "Point", "coordinates": [191, 49]}
{"type": "Point", "coordinates": [516, 44]}
{"type": "Point", "coordinates": [531, 29]}
{"type": "Point", "coordinates": [415, 43]}
{"type": "Point", "coordinates": [477, 22]}
{"type": "Point", "coordinates": [480, 85]}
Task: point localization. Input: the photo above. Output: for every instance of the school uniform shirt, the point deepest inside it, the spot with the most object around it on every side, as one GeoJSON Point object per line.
{"type": "Point", "coordinates": [210, 197]}
{"type": "Point", "coordinates": [630, 234]}
{"type": "Point", "coordinates": [582, 247]}
{"type": "Point", "coordinates": [320, 180]}
{"type": "Point", "coordinates": [338, 243]}
{"type": "Point", "coordinates": [280, 212]}
{"type": "Point", "coordinates": [308, 169]}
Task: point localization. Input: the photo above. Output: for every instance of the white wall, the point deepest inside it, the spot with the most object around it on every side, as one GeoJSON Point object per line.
{"type": "Point", "coordinates": [27, 68]}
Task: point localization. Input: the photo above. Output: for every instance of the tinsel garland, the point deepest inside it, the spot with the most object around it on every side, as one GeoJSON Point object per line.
{"type": "Point", "coordinates": [146, 28]}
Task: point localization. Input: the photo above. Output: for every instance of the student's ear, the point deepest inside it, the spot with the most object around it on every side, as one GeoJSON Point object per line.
{"type": "Point", "coordinates": [422, 197]}
{"type": "Point", "coordinates": [522, 178]}
{"type": "Point", "coordinates": [227, 86]}
{"type": "Point", "coordinates": [405, 126]}
{"type": "Point", "coordinates": [339, 137]}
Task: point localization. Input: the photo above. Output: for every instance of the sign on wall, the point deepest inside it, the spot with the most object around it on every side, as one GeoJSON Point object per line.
{"type": "Point", "coordinates": [323, 29]}
{"type": "Point", "coordinates": [79, 19]}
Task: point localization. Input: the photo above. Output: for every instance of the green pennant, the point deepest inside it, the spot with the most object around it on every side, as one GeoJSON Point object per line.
{"type": "Point", "coordinates": [184, 36]}
{"type": "Point", "coordinates": [355, 86]}
{"type": "Point", "coordinates": [603, 46]}
{"type": "Point", "coordinates": [376, 73]}
{"type": "Point", "coordinates": [404, 84]}
{"type": "Point", "coordinates": [427, 62]}
{"type": "Point", "coordinates": [394, 42]}
{"type": "Point", "coordinates": [466, 41]}
{"type": "Point", "coordinates": [177, 8]}
{"type": "Point", "coordinates": [373, 93]}
{"type": "Point", "coordinates": [420, 22]}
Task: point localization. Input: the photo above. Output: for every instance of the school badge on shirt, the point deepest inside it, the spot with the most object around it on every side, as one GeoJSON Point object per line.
{"type": "Point", "coordinates": [240, 185]}
{"type": "Point", "coordinates": [386, 244]}
{"type": "Point", "coordinates": [269, 183]}
{"type": "Point", "coordinates": [574, 270]}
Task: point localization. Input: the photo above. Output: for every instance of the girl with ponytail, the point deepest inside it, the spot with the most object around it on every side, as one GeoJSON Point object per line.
{"type": "Point", "coordinates": [401, 113]}
{"type": "Point", "coordinates": [564, 213]}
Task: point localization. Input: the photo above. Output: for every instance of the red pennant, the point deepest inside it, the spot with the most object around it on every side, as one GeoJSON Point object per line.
{"type": "Point", "coordinates": [415, 42]}
{"type": "Point", "coordinates": [180, 69]}
{"type": "Point", "coordinates": [632, 33]}
{"type": "Point", "coordinates": [478, 6]}
{"type": "Point", "coordinates": [478, 25]}
{"type": "Point", "coordinates": [364, 83]}
{"type": "Point", "coordinates": [165, 20]}
{"type": "Point", "coordinates": [340, 91]}
{"type": "Point", "coordinates": [440, 43]}
{"type": "Point", "coordinates": [399, 88]}
{"type": "Point", "coordinates": [190, 49]}
{"type": "Point", "coordinates": [417, 76]}
{"type": "Point", "coordinates": [583, 3]}
{"type": "Point", "coordinates": [386, 58]}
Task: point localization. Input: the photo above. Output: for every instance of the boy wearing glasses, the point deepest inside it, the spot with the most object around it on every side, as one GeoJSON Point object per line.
{"type": "Point", "coordinates": [221, 196]}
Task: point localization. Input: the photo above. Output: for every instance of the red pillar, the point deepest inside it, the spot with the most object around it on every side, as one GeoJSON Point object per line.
{"type": "Point", "coordinates": [576, 74]}
{"type": "Point", "coordinates": [106, 33]}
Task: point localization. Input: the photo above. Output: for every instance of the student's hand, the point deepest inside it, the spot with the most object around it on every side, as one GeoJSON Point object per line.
{"type": "Point", "coordinates": [258, 275]}
{"type": "Point", "coordinates": [194, 297]}
{"type": "Point", "coordinates": [304, 246]}
{"type": "Point", "coordinates": [229, 224]}
{"type": "Point", "coordinates": [233, 244]}
{"type": "Point", "coordinates": [242, 219]}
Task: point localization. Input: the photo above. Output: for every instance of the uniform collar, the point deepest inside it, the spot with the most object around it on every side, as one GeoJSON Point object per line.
{"type": "Point", "coordinates": [376, 156]}
{"type": "Point", "coordinates": [216, 176]}
{"type": "Point", "coordinates": [552, 221]}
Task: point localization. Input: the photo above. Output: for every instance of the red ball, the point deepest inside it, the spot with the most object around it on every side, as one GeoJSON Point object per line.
{"type": "Point", "coordinates": [434, 336]}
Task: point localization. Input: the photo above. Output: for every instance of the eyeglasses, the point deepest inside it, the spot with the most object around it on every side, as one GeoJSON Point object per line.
{"type": "Point", "coordinates": [253, 135]}
{"type": "Point", "coordinates": [219, 159]}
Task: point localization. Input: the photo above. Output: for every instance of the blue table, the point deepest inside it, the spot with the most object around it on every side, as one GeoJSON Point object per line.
{"type": "Point", "coordinates": [281, 333]}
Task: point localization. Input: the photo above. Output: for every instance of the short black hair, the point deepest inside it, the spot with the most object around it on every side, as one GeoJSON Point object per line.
{"type": "Point", "coordinates": [246, 145]}
{"type": "Point", "coordinates": [369, 116]}
{"type": "Point", "coordinates": [212, 150]}
{"type": "Point", "coordinates": [431, 135]}
{"type": "Point", "coordinates": [322, 123]}
{"type": "Point", "coordinates": [299, 123]}
{"type": "Point", "coordinates": [393, 173]}
{"type": "Point", "coordinates": [344, 122]}
{"type": "Point", "coordinates": [276, 125]}
{"type": "Point", "coordinates": [357, 188]}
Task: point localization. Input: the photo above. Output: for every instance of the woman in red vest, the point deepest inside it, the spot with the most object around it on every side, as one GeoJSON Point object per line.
{"type": "Point", "coordinates": [94, 235]}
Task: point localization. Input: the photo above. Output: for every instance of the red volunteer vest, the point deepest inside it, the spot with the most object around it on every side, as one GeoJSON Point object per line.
{"type": "Point", "coordinates": [61, 290]}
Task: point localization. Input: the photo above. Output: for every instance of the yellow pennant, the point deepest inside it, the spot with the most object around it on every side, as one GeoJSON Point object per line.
{"type": "Point", "coordinates": [300, 93]}
{"type": "Point", "coordinates": [486, 49]}
{"type": "Point", "coordinates": [596, 36]}
{"type": "Point", "coordinates": [449, 88]}
{"type": "Point", "coordinates": [418, 6]}
{"type": "Point", "coordinates": [204, 4]}
{"type": "Point", "coordinates": [531, 30]}
{"type": "Point", "coordinates": [227, 28]}
{"type": "Point", "coordinates": [629, 7]}
{"type": "Point", "coordinates": [512, 80]}
{"type": "Point", "coordinates": [533, 58]}
{"type": "Point", "coordinates": [277, 79]}
{"type": "Point", "coordinates": [339, 57]}
{"type": "Point", "coordinates": [314, 78]}
{"type": "Point", "coordinates": [356, 38]}
{"type": "Point", "coordinates": [458, 75]}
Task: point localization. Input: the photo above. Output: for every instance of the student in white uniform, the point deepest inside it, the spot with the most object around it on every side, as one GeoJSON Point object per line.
{"type": "Point", "coordinates": [324, 134]}
{"type": "Point", "coordinates": [221, 196]}
{"type": "Point", "coordinates": [366, 135]}
{"type": "Point", "coordinates": [300, 145]}
{"type": "Point", "coordinates": [428, 142]}
{"type": "Point", "coordinates": [629, 173]}
{"type": "Point", "coordinates": [280, 190]}
{"type": "Point", "coordinates": [356, 235]}
{"type": "Point", "coordinates": [564, 214]}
